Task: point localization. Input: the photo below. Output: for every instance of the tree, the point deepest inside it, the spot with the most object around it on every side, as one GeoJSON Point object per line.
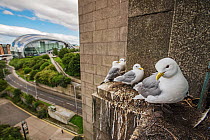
{"type": "Point", "coordinates": [55, 51]}
{"type": "Point", "coordinates": [3, 70]}
{"type": "Point", "coordinates": [62, 52]}
{"type": "Point", "coordinates": [3, 84]}
{"type": "Point", "coordinates": [10, 133]}
{"type": "Point", "coordinates": [73, 68]}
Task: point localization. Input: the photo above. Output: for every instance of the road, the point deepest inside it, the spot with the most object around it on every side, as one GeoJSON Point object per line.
{"type": "Point", "coordinates": [43, 95]}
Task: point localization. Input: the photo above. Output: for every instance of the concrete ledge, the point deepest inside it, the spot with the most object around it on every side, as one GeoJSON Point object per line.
{"type": "Point", "coordinates": [117, 116]}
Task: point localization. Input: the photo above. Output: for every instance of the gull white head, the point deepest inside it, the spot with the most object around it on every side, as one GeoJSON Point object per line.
{"type": "Point", "coordinates": [166, 67]}
{"type": "Point", "coordinates": [137, 67]}
{"type": "Point", "coordinates": [115, 63]}
{"type": "Point", "coordinates": [122, 60]}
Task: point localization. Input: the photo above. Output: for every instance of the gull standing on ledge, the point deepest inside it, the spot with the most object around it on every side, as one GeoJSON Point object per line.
{"type": "Point", "coordinates": [113, 72]}
{"type": "Point", "coordinates": [131, 77]}
{"type": "Point", "coordinates": [122, 63]}
{"type": "Point", "coordinates": [167, 86]}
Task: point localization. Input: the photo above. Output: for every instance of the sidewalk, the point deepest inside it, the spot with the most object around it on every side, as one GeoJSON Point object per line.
{"type": "Point", "coordinates": [38, 129]}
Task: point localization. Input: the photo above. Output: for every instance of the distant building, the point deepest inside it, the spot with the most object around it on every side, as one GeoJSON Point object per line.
{"type": "Point", "coordinates": [5, 51]}
{"type": "Point", "coordinates": [34, 44]}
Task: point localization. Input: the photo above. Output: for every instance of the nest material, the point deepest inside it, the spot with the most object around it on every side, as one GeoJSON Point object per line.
{"type": "Point", "coordinates": [168, 121]}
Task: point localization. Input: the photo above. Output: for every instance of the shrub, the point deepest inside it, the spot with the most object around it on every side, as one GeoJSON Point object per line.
{"type": "Point", "coordinates": [55, 51]}
{"type": "Point", "coordinates": [32, 74]}
{"type": "Point", "coordinates": [60, 80]}
{"type": "Point", "coordinates": [45, 77]}
{"type": "Point", "coordinates": [37, 66]}
{"type": "Point", "coordinates": [50, 67]}
{"type": "Point", "coordinates": [29, 99]}
{"type": "Point", "coordinates": [42, 113]}
{"type": "Point", "coordinates": [3, 85]}
{"type": "Point", "coordinates": [45, 56]}
{"type": "Point", "coordinates": [62, 52]}
{"type": "Point", "coordinates": [17, 93]}
{"type": "Point", "coordinates": [27, 70]}
{"type": "Point", "coordinates": [73, 68]}
{"type": "Point", "coordinates": [44, 65]}
{"type": "Point", "coordinates": [10, 133]}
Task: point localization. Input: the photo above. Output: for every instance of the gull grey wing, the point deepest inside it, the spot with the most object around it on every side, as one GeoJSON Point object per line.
{"type": "Point", "coordinates": [150, 86]}
{"type": "Point", "coordinates": [127, 77]}
{"type": "Point", "coordinates": [113, 72]}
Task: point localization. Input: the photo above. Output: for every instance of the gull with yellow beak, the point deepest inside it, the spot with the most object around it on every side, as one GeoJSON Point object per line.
{"type": "Point", "coordinates": [167, 86]}
{"type": "Point", "coordinates": [131, 77]}
{"type": "Point", "coordinates": [114, 71]}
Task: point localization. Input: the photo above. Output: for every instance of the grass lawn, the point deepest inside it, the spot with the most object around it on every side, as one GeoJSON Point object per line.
{"type": "Point", "coordinates": [57, 59]}
{"type": "Point", "coordinates": [77, 120]}
{"type": "Point", "coordinates": [47, 104]}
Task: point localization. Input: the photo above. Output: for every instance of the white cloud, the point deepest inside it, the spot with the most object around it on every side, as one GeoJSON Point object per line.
{"type": "Point", "coordinates": [64, 12]}
{"type": "Point", "coordinates": [31, 18]}
{"type": "Point", "coordinates": [6, 30]}
{"type": "Point", "coordinates": [7, 12]}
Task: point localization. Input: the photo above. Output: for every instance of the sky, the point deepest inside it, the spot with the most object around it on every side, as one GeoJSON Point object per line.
{"type": "Point", "coordinates": [56, 18]}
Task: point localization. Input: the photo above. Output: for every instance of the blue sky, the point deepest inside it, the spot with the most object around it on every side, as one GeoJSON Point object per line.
{"type": "Point", "coordinates": [39, 16]}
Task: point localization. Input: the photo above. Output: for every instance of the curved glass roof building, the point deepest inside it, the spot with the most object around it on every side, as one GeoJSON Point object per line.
{"type": "Point", "coordinates": [35, 44]}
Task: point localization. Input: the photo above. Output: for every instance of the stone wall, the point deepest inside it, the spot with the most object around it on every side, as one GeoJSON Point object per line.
{"type": "Point", "coordinates": [143, 31]}
{"type": "Point", "coordinates": [103, 39]}
{"type": "Point", "coordinates": [170, 28]}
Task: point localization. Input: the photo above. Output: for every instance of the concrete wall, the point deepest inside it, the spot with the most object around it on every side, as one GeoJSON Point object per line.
{"type": "Point", "coordinates": [103, 39]}
{"type": "Point", "coordinates": [170, 28]}
{"type": "Point", "coordinates": [143, 31]}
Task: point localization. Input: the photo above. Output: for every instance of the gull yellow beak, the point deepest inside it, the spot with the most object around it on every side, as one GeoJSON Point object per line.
{"type": "Point", "coordinates": [159, 75]}
{"type": "Point", "coordinates": [118, 62]}
{"type": "Point", "coordinates": [141, 68]}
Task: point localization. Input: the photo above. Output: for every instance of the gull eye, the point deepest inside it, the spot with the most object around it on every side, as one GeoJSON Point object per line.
{"type": "Point", "coordinates": [167, 66]}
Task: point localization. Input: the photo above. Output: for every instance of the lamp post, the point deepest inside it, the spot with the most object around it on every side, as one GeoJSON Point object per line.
{"type": "Point", "coordinates": [36, 89]}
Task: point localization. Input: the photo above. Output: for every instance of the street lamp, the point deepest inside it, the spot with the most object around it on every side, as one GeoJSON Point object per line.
{"type": "Point", "coordinates": [36, 89]}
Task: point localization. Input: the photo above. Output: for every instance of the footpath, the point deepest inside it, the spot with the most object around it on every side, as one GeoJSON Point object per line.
{"type": "Point", "coordinates": [38, 129]}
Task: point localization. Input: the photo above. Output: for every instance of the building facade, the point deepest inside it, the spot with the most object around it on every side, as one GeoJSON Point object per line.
{"type": "Point", "coordinates": [33, 45]}
{"type": "Point", "coordinates": [142, 32]}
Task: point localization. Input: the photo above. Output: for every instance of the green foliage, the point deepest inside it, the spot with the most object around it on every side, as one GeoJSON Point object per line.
{"type": "Point", "coordinates": [67, 57]}
{"type": "Point", "coordinates": [38, 65]}
{"type": "Point", "coordinates": [61, 80]}
{"type": "Point", "coordinates": [50, 67]}
{"type": "Point", "coordinates": [73, 66]}
{"type": "Point", "coordinates": [62, 52]}
{"type": "Point", "coordinates": [29, 98]}
{"type": "Point", "coordinates": [3, 85]}
{"type": "Point", "coordinates": [45, 56]}
{"type": "Point", "coordinates": [58, 59]}
{"type": "Point", "coordinates": [42, 113]}
{"type": "Point", "coordinates": [17, 63]}
{"type": "Point", "coordinates": [77, 138]}
{"type": "Point", "coordinates": [55, 51]}
{"type": "Point", "coordinates": [73, 50]}
{"type": "Point", "coordinates": [32, 74]}
{"type": "Point", "coordinates": [2, 69]}
{"type": "Point", "coordinates": [27, 70]}
{"type": "Point", "coordinates": [45, 76]}
{"type": "Point", "coordinates": [44, 65]}
{"type": "Point", "coordinates": [10, 133]}
{"type": "Point", "coordinates": [17, 93]}
{"type": "Point", "coordinates": [77, 120]}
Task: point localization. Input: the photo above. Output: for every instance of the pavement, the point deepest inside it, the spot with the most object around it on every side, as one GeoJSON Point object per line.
{"type": "Point", "coordinates": [44, 94]}
{"type": "Point", "coordinates": [38, 129]}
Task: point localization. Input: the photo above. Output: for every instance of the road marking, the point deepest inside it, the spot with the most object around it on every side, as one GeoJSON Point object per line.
{"type": "Point", "coordinates": [70, 104]}
{"type": "Point", "coordinates": [58, 100]}
{"type": "Point", "coordinates": [51, 97]}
